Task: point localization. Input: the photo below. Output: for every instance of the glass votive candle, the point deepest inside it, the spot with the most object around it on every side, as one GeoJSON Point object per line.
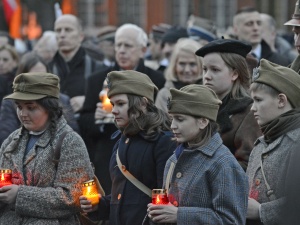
{"type": "Point", "coordinates": [89, 190]}
{"type": "Point", "coordinates": [106, 105]}
{"type": "Point", "coordinates": [159, 197]}
{"type": "Point", "coordinates": [5, 177]}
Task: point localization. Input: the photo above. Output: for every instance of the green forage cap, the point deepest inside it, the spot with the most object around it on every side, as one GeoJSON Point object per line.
{"type": "Point", "coordinates": [194, 100]}
{"type": "Point", "coordinates": [283, 79]}
{"type": "Point", "coordinates": [34, 86]}
{"type": "Point", "coordinates": [130, 82]}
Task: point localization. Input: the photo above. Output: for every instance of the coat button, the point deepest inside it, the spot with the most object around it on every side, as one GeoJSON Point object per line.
{"type": "Point", "coordinates": [178, 175]}
{"type": "Point", "coordinates": [257, 182]}
{"type": "Point", "coordinates": [175, 203]}
{"type": "Point", "coordinates": [119, 196]}
{"type": "Point", "coordinates": [127, 140]}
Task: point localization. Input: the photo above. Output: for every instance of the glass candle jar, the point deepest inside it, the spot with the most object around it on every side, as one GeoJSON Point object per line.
{"type": "Point", "coordinates": [5, 177]}
{"type": "Point", "coordinates": [106, 105]}
{"type": "Point", "coordinates": [159, 197]}
{"type": "Point", "coordinates": [89, 190]}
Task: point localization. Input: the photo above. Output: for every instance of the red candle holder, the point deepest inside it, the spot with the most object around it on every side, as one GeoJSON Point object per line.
{"type": "Point", "coordinates": [5, 177]}
{"type": "Point", "coordinates": [159, 197]}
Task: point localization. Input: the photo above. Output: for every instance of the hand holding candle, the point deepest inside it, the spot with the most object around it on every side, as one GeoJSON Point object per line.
{"type": "Point", "coordinates": [5, 177]}
{"type": "Point", "coordinates": [89, 190]}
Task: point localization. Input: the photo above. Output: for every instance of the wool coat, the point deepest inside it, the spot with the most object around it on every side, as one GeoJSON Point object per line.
{"type": "Point", "coordinates": [238, 128]}
{"type": "Point", "coordinates": [275, 158]}
{"type": "Point", "coordinates": [97, 137]}
{"type": "Point", "coordinates": [48, 191]}
{"type": "Point", "coordinates": [145, 159]}
{"type": "Point", "coordinates": [208, 185]}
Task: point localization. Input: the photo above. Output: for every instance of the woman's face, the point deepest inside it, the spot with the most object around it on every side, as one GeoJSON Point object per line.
{"type": "Point", "coordinates": [32, 115]}
{"type": "Point", "coordinates": [39, 67]}
{"type": "Point", "coordinates": [217, 75]}
{"type": "Point", "coordinates": [187, 69]}
{"type": "Point", "coordinates": [7, 63]}
{"type": "Point", "coordinates": [185, 128]}
{"type": "Point", "coordinates": [120, 105]}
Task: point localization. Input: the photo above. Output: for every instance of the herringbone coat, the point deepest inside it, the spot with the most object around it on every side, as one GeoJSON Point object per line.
{"type": "Point", "coordinates": [48, 191]}
{"type": "Point", "coordinates": [275, 160]}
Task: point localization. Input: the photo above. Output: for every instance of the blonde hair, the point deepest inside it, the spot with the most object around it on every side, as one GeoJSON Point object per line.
{"type": "Point", "coordinates": [183, 45]}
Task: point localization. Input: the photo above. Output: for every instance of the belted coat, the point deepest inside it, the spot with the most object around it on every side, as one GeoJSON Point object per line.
{"type": "Point", "coordinates": [48, 191]}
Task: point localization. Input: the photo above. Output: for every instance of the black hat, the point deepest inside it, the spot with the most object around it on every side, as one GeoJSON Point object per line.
{"type": "Point", "coordinates": [225, 45]}
{"type": "Point", "coordinates": [173, 34]}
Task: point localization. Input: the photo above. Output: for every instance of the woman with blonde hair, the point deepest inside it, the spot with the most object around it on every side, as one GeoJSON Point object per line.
{"type": "Point", "coordinates": [185, 68]}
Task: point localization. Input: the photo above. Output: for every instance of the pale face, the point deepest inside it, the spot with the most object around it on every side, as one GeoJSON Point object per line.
{"type": "Point", "coordinates": [39, 67]}
{"type": "Point", "coordinates": [187, 69]}
{"type": "Point", "coordinates": [265, 107]}
{"type": "Point", "coordinates": [120, 109]}
{"type": "Point", "coordinates": [7, 63]}
{"type": "Point", "coordinates": [185, 128]}
{"type": "Point", "coordinates": [296, 31]}
{"type": "Point", "coordinates": [68, 35]}
{"type": "Point", "coordinates": [32, 115]}
{"type": "Point", "coordinates": [217, 75]}
{"type": "Point", "coordinates": [249, 28]}
{"type": "Point", "coordinates": [128, 50]}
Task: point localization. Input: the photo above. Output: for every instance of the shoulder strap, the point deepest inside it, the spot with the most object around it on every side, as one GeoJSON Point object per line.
{"type": "Point", "coordinates": [131, 178]}
{"type": "Point", "coordinates": [58, 146]}
{"type": "Point", "coordinates": [169, 176]}
{"type": "Point", "coordinates": [270, 193]}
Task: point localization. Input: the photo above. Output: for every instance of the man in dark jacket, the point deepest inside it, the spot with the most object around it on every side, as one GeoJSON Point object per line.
{"type": "Point", "coordinates": [247, 25]}
{"type": "Point", "coordinates": [130, 47]}
{"type": "Point", "coordinates": [71, 63]}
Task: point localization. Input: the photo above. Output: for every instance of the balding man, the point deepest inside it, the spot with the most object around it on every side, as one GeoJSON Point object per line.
{"type": "Point", "coordinates": [71, 63]}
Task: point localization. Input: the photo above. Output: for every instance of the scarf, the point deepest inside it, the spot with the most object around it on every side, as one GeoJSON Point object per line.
{"type": "Point", "coordinates": [281, 125]}
{"type": "Point", "coordinates": [229, 107]}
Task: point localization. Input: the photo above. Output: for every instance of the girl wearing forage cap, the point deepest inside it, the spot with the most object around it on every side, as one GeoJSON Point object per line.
{"type": "Point", "coordinates": [205, 183]}
{"type": "Point", "coordinates": [144, 146]}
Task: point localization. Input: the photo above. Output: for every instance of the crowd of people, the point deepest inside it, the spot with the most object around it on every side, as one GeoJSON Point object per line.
{"type": "Point", "coordinates": [210, 120]}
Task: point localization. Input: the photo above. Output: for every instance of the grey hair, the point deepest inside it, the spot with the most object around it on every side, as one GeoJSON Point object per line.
{"type": "Point", "coordinates": [141, 37]}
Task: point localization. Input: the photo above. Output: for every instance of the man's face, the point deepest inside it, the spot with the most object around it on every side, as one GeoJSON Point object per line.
{"type": "Point", "coordinates": [68, 34]}
{"type": "Point", "coordinates": [296, 30]}
{"type": "Point", "coordinates": [248, 27]}
{"type": "Point", "coordinates": [128, 50]}
{"type": "Point", "coordinates": [155, 49]}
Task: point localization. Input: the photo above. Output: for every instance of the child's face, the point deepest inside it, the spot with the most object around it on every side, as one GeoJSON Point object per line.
{"type": "Point", "coordinates": [265, 106]}
{"type": "Point", "coordinates": [184, 127]}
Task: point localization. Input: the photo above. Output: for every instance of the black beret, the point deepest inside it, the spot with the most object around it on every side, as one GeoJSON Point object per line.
{"type": "Point", "coordinates": [225, 45]}
{"type": "Point", "coordinates": [173, 34]}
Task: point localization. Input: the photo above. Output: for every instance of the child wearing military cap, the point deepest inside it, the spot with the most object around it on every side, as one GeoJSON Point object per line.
{"type": "Point", "coordinates": [204, 182]}
{"type": "Point", "coordinates": [144, 146]}
{"type": "Point", "coordinates": [275, 91]}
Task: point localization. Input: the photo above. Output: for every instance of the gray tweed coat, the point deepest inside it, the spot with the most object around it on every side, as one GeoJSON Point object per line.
{"type": "Point", "coordinates": [276, 160]}
{"type": "Point", "coordinates": [48, 192]}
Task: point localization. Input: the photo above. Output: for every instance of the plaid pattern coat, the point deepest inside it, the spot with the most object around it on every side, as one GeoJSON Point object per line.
{"type": "Point", "coordinates": [48, 192]}
{"type": "Point", "coordinates": [276, 159]}
{"type": "Point", "coordinates": [208, 185]}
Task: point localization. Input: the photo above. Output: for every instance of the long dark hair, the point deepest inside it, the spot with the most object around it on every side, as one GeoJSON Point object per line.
{"type": "Point", "coordinates": [151, 122]}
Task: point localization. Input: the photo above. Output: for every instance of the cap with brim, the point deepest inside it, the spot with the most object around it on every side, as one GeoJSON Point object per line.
{"type": "Point", "coordinates": [34, 86]}
{"type": "Point", "coordinates": [295, 21]}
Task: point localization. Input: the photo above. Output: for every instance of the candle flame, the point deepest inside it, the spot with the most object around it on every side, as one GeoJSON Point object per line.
{"type": "Point", "coordinates": [2, 177]}
{"type": "Point", "coordinates": [158, 199]}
